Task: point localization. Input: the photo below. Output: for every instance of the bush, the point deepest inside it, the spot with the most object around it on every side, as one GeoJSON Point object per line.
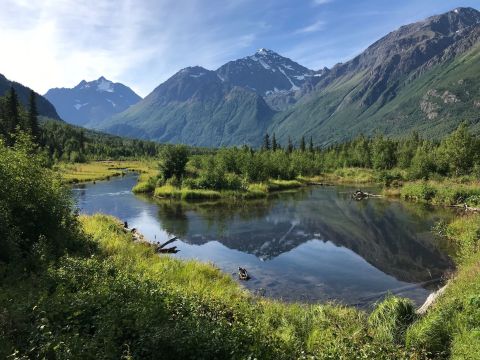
{"type": "Point", "coordinates": [418, 191]}
{"type": "Point", "coordinates": [36, 209]}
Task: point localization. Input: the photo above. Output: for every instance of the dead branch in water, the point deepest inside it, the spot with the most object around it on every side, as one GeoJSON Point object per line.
{"type": "Point", "coordinates": [360, 195]}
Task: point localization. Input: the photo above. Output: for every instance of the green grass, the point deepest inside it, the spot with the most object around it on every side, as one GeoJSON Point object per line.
{"type": "Point", "coordinates": [101, 170]}
{"type": "Point", "coordinates": [448, 192]}
{"type": "Point", "coordinates": [254, 191]}
{"type": "Point", "coordinates": [172, 192]}
{"type": "Point", "coordinates": [220, 313]}
{"type": "Point", "coordinates": [451, 329]}
{"type": "Point", "coordinates": [347, 176]}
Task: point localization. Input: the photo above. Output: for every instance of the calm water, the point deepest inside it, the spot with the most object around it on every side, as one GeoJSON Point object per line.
{"type": "Point", "coordinates": [314, 244]}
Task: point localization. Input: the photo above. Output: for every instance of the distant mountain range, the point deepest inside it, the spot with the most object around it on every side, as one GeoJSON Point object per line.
{"type": "Point", "coordinates": [44, 107]}
{"type": "Point", "coordinates": [89, 103]}
{"type": "Point", "coordinates": [423, 76]}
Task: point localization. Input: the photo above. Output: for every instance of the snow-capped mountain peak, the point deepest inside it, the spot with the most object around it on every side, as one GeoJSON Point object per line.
{"type": "Point", "coordinates": [104, 85]}
{"type": "Point", "coordinates": [92, 101]}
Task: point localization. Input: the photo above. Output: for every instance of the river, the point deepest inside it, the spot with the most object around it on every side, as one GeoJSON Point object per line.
{"type": "Point", "coordinates": [312, 245]}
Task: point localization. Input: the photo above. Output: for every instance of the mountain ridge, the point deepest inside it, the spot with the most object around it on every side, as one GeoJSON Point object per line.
{"type": "Point", "coordinates": [44, 107]}
{"type": "Point", "coordinates": [404, 81]}
{"type": "Point", "coordinates": [90, 102]}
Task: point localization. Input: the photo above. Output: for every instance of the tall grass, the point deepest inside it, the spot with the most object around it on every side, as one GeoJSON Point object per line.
{"type": "Point", "coordinates": [224, 320]}
{"type": "Point", "coordinates": [442, 193]}
{"type": "Point", "coordinates": [101, 170]}
{"type": "Point", "coordinates": [451, 329]}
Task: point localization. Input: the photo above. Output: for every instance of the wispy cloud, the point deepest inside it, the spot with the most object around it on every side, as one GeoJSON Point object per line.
{"type": "Point", "coordinates": [316, 26]}
{"type": "Point", "coordinates": [60, 42]}
{"type": "Point", "coordinates": [55, 43]}
{"type": "Point", "coordinates": [321, 2]}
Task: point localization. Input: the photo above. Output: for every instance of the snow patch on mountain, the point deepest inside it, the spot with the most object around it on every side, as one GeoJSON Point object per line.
{"type": "Point", "coordinates": [294, 87]}
{"type": "Point", "coordinates": [79, 106]}
{"type": "Point", "coordinates": [104, 85]}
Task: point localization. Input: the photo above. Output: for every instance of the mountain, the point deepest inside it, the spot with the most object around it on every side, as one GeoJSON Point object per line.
{"type": "Point", "coordinates": [423, 76]}
{"type": "Point", "coordinates": [230, 106]}
{"type": "Point", "coordinates": [45, 108]}
{"type": "Point", "coordinates": [92, 102]}
{"type": "Point", "coordinates": [196, 107]}
{"type": "Point", "coordinates": [276, 78]}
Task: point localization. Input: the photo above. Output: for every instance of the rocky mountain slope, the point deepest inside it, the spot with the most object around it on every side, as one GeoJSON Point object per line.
{"type": "Point", "coordinates": [423, 76]}
{"type": "Point", "coordinates": [45, 108]}
{"type": "Point", "coordinates": [195, 106]}
{"type": "Point", "coordinates": [91, 102]}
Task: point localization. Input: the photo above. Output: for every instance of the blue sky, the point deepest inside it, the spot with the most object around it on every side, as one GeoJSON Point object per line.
{"type": "Point", "coordinates": [57, 43]}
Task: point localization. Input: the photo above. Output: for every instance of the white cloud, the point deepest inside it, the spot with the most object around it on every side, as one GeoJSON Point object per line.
{"type": "Point", "coordinates": [55, 43]}
{"type": "Point", "coordinates": [316, 26]}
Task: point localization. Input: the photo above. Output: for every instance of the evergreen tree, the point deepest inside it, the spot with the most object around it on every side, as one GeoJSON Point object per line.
{"type": "Point", "coordinates": [290, 146]}
{"type": "Point", "coordinates": [32, 119]}
{"type": "Point", "coordinates": [12, 116]}
{"type": "Point", "coordinates": [274, 143]}
{"type": "Point", "coordinates": [266, 142]}
{"type": "Point", "coordinates": [302, 144]}
{"type": "Point", "coordinates": [310, 146]}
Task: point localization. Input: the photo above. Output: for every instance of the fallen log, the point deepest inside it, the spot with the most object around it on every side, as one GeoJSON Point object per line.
{"type": "Point", "coordinates": [161, 249]}
{"type": "Point", "coordinates": [431, 299]}
{"type": "Point", "coordinates": [466, 207]}
{"type": "Point", "coordinates": [360, 195]}
{"type": "Point", "coordinates": [172, 250]}
{"type": "Point", "coordinates": [168, 242]}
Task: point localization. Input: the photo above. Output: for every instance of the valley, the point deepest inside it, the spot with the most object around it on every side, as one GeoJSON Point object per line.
{"type": "Point", "coordinates": [309, 211]}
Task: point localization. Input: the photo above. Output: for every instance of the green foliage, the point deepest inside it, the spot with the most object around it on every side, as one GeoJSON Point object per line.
{"type": "Point", "coordinates": [126, 300]}
{"type": "Point", "coordinates": [36, 210]}
{"type": "Point", "coordinates": [391, 319]}
{"type": "Point", "coordinates": [63, 142]}
{"type": "Point", "coordinates": [459, 151]}
{"type": "Point", "coordinates": [173, 160]}
{"type": "Point", "coordinates": [450, 327]}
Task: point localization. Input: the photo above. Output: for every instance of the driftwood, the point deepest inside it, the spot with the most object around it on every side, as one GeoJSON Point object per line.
{"type": "Point", "coordinates": [168, 242]}
{"type": "Point", "coordinates": [431, 300]}
{"type": "Point", "coordinates": [243, 274]}
{"type": "Point", "coordinates": [161, 249]}
{"type": "Point", "coordinates": [466, 207]}
{"type": "Point", "coordinates": [360, 195]}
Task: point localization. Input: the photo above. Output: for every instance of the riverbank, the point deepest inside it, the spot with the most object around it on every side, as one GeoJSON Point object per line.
{"type": "Point", "coordinates": [72, 173]}
{"type": "Point", "coordinates": [82, 288]}
{"type": "Point", "coordinates": [449, 328]}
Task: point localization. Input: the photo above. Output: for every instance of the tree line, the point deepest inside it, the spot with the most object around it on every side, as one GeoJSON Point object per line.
{"type": "Point", "coordinates": [412, 158]}
{"type": "Point", "coordinates": [60, 141]}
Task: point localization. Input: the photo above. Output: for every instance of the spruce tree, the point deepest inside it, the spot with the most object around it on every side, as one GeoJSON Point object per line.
{"type": "Point", "coordinates": [302, 144]}
{"type": "Point", "coordinates": [290, 146]}
{"type": "Point", "coordinates": [266, 142]}
{"type": "Point", "coordinates": [310, 146]}
{"type": "Point", "coordinates": [274, 143]}
{"type": "Point", "coordinates": [12, 116]}
{"type": "Point", "coordinates": [32, 119]}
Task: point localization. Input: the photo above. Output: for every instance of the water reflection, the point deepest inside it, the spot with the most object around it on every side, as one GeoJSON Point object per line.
{"type": "Point", "coordinates": [313, 244]}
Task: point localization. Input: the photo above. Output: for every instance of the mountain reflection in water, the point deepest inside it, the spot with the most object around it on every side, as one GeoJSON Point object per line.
{"type": "Point", "coordinates": [314, 244]}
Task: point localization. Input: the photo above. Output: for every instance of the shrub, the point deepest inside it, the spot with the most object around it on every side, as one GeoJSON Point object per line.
{"type": "Point", "coordinates": [38, 222]}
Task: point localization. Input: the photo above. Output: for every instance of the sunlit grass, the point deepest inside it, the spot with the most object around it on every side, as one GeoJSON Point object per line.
{"type": "Point", "coordinates": [102, 170]}
{"type": "Point", "coordinates": [281, 330]}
